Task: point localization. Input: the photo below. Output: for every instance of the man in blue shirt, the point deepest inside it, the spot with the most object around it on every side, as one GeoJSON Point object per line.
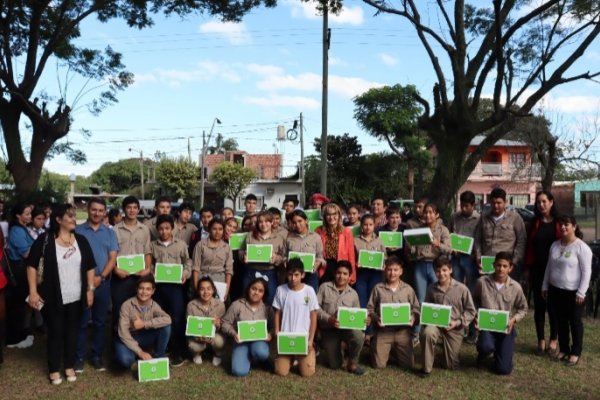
{"type": "Point", "coordinates": [104, 245]}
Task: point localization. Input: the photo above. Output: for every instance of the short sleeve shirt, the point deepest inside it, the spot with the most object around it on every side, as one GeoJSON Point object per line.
{"type": "Point", "coordinates": [295, 307]}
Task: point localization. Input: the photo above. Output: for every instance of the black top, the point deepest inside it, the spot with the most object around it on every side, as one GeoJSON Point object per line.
{"type": "Point", "coordinates": [543, 239]}
{"type": "Point", "coordinates": [49, 290]}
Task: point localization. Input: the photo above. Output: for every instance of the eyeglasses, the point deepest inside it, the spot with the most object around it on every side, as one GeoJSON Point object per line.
{"type": "Point", "coordinates": [331, 214]}
{"type": "Point", "coordinates": [70, 251]}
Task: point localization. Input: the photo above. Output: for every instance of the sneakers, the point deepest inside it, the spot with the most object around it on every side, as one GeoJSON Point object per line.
{"type": "Point", "coordinates": [98, 365]}
{"type": "Point", "coordinates": [216, 361]}
{"type": "Point", "coordinates": [23, 344]}
{"type": "Point", "coordinates": [198, 359]}
{"type": "Point", "coordinates": [176, 361]}
{"type": "Point", "coordinates": [79, 364]}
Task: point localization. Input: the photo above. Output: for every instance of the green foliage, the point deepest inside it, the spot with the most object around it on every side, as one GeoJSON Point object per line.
{"type": "Point", "coordinates": [231, 179]}
{"type": "Point", "coordinates": [118, 177]}
{"type": "Point", "coordinates": [222, 145]}
{"type": "Point", "coordinates": [179, 177]}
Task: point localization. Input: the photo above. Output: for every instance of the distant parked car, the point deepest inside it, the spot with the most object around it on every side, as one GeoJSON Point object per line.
{"type": "Point", "coordinates": [525, 214]}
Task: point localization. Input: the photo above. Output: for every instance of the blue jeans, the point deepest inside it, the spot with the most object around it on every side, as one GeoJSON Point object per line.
{"type": "Point", "coordinates": [98, 314]}
{"type": "Point", "coordinates": [424, 276]}
{"type": "Point", "coordinates": [312, 280]}
{"type": "Point", "coordinates": [171, 298]}
{"type": "Point", "coordinates": [463, 267]}
{"type": "Point", "coordinates": [502, 345]}
{"type": "Point", "coordinates": [159, 338]}
{"type": "Point", "coordinates": [250, 275]}
{"type": "Point", "coordinates": [244, 353]}
{"type": "Point", "coordinates": [365, 282]}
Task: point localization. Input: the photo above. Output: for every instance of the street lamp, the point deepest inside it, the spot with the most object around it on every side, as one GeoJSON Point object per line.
{"type": "Point", "coordinates": [72, 179]}
{"type": "Point", "coordinates": [204, 147]}
{"type": "Point", "coordinates": [141, 169]}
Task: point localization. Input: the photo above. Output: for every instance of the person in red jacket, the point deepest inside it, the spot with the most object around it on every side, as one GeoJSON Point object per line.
{"type": "Point", "coordinates": [544, 230]}
{"type": "Point", "coordinates": [338, 243]}
{"type": "Point", "coordinates": [3, 283]}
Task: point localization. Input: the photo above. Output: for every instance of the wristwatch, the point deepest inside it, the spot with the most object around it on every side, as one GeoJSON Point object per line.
{"type": "Point", "coordinates": [91, 288]}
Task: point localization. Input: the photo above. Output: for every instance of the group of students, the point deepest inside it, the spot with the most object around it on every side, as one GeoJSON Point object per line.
{"type": "Point", "coordinates": [281, 290]}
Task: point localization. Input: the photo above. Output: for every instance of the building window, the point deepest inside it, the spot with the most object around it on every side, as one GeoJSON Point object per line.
{"type": "Point", "coordinates": [516, 159]}
{"type": "Point", "coordinates": [519, 200]}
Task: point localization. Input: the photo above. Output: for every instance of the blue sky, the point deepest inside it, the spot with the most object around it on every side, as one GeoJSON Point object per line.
{"type": "Point", "coordinates": [254, 76]}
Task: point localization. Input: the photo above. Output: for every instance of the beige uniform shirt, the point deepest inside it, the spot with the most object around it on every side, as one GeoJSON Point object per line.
{"type": "Point", "coordinates": [153, 316]}
{"type": "Point", "coordinates": [216, 309]}
{"type": "Point", "coordinates": [151, 225]}
{"type": "Point", "coordinates": [185, 232]}
{"type": "Point", "coordinates": [463, 225]}
{"type": "Point", "coordinates": [375, 244]}
{"type": "Point", "coordinates": [279, 253]}
{"type": "Point", "coordinates": [330, 299]}
{"type": "Point", "coordinates": [133, 241]}
{"type": "Point", "coordinates": [382, 293]}
{"type": "Point", "coordinates": [429, 252]}
{"type": "Point", "coordinates": [240, 310]}
{"type": "Point", "coordinates": [508, 298]}
{"type": "Point", "coordinates": [215, 262]}
{"type": "Point", "coordinates": [456, 295]}
{"type": "Point", "coordinates": [175, 252]}
{"type": "Point", "coordinates": [507, 234]}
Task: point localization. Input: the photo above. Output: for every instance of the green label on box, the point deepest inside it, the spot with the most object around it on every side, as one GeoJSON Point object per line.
{"type": "Point", "coordinates": [251, 331]}
{"type": "Point", "coordinates": [313, 214]}
{"type": "Point", "coordinates": [418, 236]}
{"type": "Point", "coordinates": [131, 264]}
{"type": "Point", "coordinates": [492, 320]}
{"type": "Point", "coordinates": [168, 273]}
{"type": "Point", "coordinates": [308, 260]}
{"type": "Point", "coordinates": [313, 225]}
{"type": "Point", "coordinates": [200, 326]}
{"type": "Point", "coordinates": [436, 314]}
{"type": "Point", "coordinates": [352, 318]}
{"type": "Point", "coordinates": [391, 239]}
{"type": "Point", "coordinates": [461, 244]}
{"type": "Point", "coordinates": [487, 264]}
{"type": "Point", "coordinates": [292, 343]}
{"type": "Point", "coordinates": [237, 240]}
{"type": "Point", "coordinates": [156, 369]}
{"type": "Point", "coordinates": [370, 259]}
{"type": "Point", "coordinates": [259, 253]}
{"type": "Point", "coordinates": [394, 314]}
{"type": "Point", "coordinates": [355, 230]}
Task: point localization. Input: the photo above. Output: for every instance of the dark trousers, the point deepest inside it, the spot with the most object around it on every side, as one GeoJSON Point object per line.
{"type": "Point", "coordinates": [15, 304]}
{"type": "Point", "coordinates": [62, 322]}
{"type": "Point", "coordinates": [540, 306]}
{"type": "Point", "coordinates": [568, 315]}
{"type": "Point", "coordinates": [121, 290]}
{"type": "Point", "coordinates": [98, 314]}
{"type": "Point", "coordinates": [171, 298]}
{"type": "Point", "coordinates": [502, 345]}
{"type": "Point", "coordinates": [2, 323]}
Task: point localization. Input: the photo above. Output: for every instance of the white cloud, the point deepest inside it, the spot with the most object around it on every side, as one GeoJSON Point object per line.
{"type": "Point", "coordinates": [388, 59]}
{"type": "Point", "coordinates": [336, 61]}
{"type": "Point", "coordinates": [204, 71]}
{"type": "Point", "coordinates": [144, 77]}
{"type": "Point", "coordinates": [263, 69]}
{"type": "Point", "coordinates": [275, 100]}
{"type": "Point", "coordinates": [573, 104]}
{"type": "Point", "coordinates": [235, 33]}
{"type": "Point", "coordinates": [350, 15]}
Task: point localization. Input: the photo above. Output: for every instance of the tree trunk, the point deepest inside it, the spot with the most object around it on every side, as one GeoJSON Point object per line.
{"type": "Point", "coordinates": [410, 165]}
{"type": "Point", "coordinates": [450, 173]}
{"type": "Point", "coordinates": [552, 162]}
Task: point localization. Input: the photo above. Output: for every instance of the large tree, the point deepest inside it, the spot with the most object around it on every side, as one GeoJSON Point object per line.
{"type": "Point", "coordinates": [179, 177]}
{"type": "Point", "coordinates": [517, 51]}
{"type": "Point", "coordinates": [32, 33]}
{"type": "Point", "coordinates": [391, 113]}
{"type": "Point", "coordinates": [231, 179]}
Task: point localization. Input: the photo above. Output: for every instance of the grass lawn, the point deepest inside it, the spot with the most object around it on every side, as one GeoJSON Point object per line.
{"type": "Point", "coordinates": [23, 376]}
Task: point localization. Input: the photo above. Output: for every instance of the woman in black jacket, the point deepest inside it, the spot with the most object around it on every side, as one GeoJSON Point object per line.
{"type": "Point", "coordinates": [67, 287]}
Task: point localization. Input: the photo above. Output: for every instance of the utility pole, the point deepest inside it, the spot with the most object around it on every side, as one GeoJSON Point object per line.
{"type": "Point", "coordinates": [204, 147]}
{"type": "Point", "coordinates": [326, 42]}
{"type": "Point", "coordinates": [303, 187]}
{"type": "Point", "coordinates": [141, 170]}
{"type": "Point", "coordinates": [189, 151]}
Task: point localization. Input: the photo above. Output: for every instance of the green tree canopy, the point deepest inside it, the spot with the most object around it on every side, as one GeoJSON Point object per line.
{"type": "Point", "coordinates": [119, 176]}
{"type": "Point", "coordinates": [179, 177]}
{"type": "Point", "coordinates": [35, 32]}
{"type": "Point", "coordinates": [231, 179]}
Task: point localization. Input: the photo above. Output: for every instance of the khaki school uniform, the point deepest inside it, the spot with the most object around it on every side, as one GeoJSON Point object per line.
{"type": "Point", "coordinates": [508, 298]}
{"type": "Point", "coordinates": [153, 316]}
{"type": "Point", "coordinates": [278, 253]}
{"type": "Point", "coordinates": [215, 262]}
{"type": "Point", "coordinates": [240, 310]}
{"type": "Point", "coordinates": [330, 299]}
{"type": "Point", "coordinates": [216, 309]}
{"type": "Point", "coordinates": [458, 296]}
{"type": "Point", "coordinates": [151, 225]}
{"type": "Point", "coordinates": [175, 252]}
{"type": "Point", "coordinates": [185, 232]}
{"type": "Point", "coordinates": [397, 337]}
{"type": "Point", "coordinates": [134, 240]}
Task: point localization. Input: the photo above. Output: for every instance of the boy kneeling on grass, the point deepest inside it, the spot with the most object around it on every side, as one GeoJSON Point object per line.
{"type": "Point", "coordinates": [142, 324]}
{"type": "Point", "coordinates": [448, 292]}
{"type": "Point", "coordinates": [296, 309]}
{"type": "Point", "coordinates": [331, 296]}
{"type": "Point", "coordinates": [497, 291]}
{"type": "Point", "coordinates": [398, 337]}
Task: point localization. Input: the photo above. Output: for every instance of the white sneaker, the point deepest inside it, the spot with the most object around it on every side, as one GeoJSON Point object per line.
{"type": "Point", "coordinates": [23, 344]}
{"type": "Point", "coordinates": [198, 359]}
{"type": "Point", "coordinates": [216, 361]}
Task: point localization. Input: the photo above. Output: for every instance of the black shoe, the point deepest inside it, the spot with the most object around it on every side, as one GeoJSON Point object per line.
{"type": "Point", "coordinates": [98, 365]}
{"type": "Point", "coordinates": [176, 361]}
{"type": "Point", "coordinates": [79, 364]}
{"type": "Point", "coordinates": [423, 374]}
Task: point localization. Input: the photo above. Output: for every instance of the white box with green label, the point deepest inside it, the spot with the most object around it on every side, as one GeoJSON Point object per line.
{"type": "Point", "coordinates": [131, 264]}
{"type": "Point", "coordinates": [308, 260]}
{"type": "Point", "coordinates": [156, 369]}
{"type": "Point", "coordinates": [168, 273]}
{"type": "Point", "coordinates": [418, 236]}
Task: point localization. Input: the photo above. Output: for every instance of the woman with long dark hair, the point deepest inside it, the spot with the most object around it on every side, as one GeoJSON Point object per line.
{"type": "Point", "coordinates": [64, 263]}
{"type": "Point", "coordinates": [566, 281]}
{"type": "Point", "coordinates": [544, 231]}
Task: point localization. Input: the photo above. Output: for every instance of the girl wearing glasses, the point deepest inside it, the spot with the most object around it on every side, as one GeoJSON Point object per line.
{"type": "Point", "coordinates": [63, 261]}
